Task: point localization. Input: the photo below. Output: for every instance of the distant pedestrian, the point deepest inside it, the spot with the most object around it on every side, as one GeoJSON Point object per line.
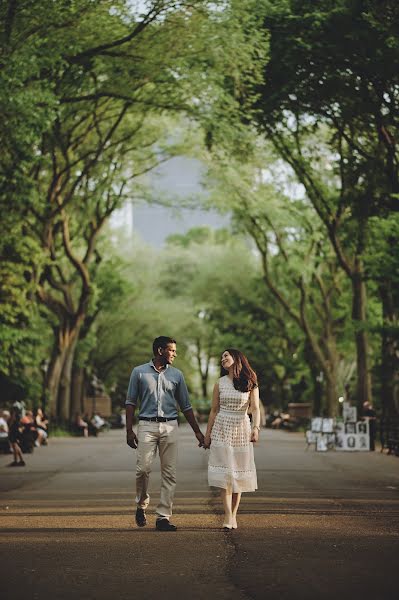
{"type": "Point", "coordinates": [14, 437]}
{"type": "Point", "coordinates": [159, 389]}
{"type": "Point", "coordinates": [371, 416]}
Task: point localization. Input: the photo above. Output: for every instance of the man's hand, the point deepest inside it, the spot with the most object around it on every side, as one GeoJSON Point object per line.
{"type": "Point", "coordinates": [131, 439]}
{"type": "Point", "coordinates": [200, 437]}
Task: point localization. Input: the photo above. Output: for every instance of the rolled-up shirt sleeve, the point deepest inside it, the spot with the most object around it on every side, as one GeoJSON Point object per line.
{"type": "Point", "coordinates": [133, 389]}
{"type": "Point", "coordinates": [181, 395]}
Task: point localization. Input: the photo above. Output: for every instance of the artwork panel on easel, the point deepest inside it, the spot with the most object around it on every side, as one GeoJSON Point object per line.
{"type": "Point", "coordinates": [363, 442]}
{"type": "Point", "coordinates": [339, 441]}
{"type": "Point", "coordinates": [362, 427]}
{"type": "Point", "coordinates": [322, 443]}
{"type": "Point", "coordinates": [339, 426]}
{"type": "Point", "coordinates": [328, 425]}
{"type": "Point", "coordinates": [349, 413]}
{"type": "Point", "coordinates": [346, 442]}
{"type": "Point", "coordinates": [311, 437]}
{"type": "Point", "coordinates": [350, 427]}
{"type": "Point", "coordinates": [317, 424]}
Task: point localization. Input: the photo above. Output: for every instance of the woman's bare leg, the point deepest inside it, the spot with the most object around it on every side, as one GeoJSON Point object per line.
{"type": "Point", "coordinates": [236, 497]}
{"type": "Point", "coordinates": [226, 496]}
{"type": "Point", "coordinates": [17, 452]}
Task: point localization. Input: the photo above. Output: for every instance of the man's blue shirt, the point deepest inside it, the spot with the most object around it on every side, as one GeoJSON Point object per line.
{"type": "Point", "coordinates": [159, 393]}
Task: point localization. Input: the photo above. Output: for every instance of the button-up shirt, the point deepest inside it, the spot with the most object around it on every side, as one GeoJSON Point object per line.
{"type": "Point", "coordinates": [159, 392]}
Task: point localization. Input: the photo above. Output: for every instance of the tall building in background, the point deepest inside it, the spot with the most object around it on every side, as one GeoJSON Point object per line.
{"type": "Point", "coordinates": [174, 182]}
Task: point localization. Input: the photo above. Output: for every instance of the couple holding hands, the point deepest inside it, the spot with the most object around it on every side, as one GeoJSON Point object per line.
{"type": "Point", "coordinates": [158, 388]}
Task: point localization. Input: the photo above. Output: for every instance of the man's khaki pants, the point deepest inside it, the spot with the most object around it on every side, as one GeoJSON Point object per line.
{"type": "Point", "coordinates": [151, 436]}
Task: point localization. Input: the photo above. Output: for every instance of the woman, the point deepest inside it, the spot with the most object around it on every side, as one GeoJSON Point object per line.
{"type": "Point", "coordinates": [41, 426]}
{"type": "Point", "coordinates": [229, 433]}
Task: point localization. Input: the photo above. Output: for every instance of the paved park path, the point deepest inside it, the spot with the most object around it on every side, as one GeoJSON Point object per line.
{"type": "Point", "coordinates": [321, 526]}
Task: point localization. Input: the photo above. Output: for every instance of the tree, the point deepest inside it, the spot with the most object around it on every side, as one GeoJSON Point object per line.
{"type": "Point", "coordinates": [382, 270]}
{"type": "Point", "coordinates": [329, 106]}
{"type": "Point", "coordinates": [298, 268]}
{"type": "Point", "coordinates": [95, 72]}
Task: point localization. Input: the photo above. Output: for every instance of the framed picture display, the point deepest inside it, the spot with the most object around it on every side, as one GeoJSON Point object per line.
{"type": "Point", "coordinates": [352, 442]}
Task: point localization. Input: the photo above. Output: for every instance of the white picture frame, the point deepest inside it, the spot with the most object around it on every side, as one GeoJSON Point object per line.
{"type": "Point", "coordinates": [339, 440]}
{"type": "Point", "coordinates": [317, 424]}
{"type": "Point", "coordinates": [322, 443]}
{"type": "Point", "coordinates": [363, 442]}
{"type": "Point", "coordinates": [362, 427]}
{"type": "Point", "coordinates": [349, 413]}
{"type": "Point", "coordinates": [340, 427]}
{"type": "Point", "coordinates": [350, 427]}
{"type": "Point", "coordinates": [327, 426]}
{"type": "Point", "coordinates": [310, 437]}
{"type": "Point", "coordinates": [352, 442]}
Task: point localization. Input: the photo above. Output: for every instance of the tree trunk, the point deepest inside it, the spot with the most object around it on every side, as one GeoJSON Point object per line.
{"type": "Point", "coordinates": [314, 370]}
{"type": "Point", "coordinates": [331, 397]}
{"type": "Point", "coordinates": [53, 376]}
{"type": "Point", "coordinates": [77, 390]}
{"type": "Point", "coordinates": [363, 385]}
{"type": "Point", "coordinates": [64, 393]}
{"type": "Point", "coordinates": [389, 352]}
{"type": "Point", "coordinates": [204, 385]}
{"type": "Point", "coordinates": [59, 371]}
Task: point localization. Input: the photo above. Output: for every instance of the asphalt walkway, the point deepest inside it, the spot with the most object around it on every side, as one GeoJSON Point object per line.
{"type": "Point", "coordinates": [321, 525]}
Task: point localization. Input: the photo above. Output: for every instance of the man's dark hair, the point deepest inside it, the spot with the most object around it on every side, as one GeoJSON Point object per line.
{"type": "Point", "coordinates": [161, 342]}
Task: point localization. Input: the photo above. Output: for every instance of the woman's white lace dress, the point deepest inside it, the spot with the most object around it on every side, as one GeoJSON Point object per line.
{"type": "Point", "coordinates": [231, 459]}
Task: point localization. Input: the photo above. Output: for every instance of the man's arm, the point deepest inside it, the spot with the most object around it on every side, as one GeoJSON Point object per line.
{"type": "Point", "coordinates": [181, 395]}
{"type": "Point", "coordinates": [131, 437]}
{"type": "Point", "coordinates": [131, 399]}
{"type": "Point", "coordinates": [190, 417]}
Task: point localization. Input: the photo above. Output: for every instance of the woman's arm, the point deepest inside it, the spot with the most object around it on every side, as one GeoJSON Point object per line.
{"type": "Point", "coordinates": [254, 400]}
{"type": "Point", "coordinates": [212, 415]}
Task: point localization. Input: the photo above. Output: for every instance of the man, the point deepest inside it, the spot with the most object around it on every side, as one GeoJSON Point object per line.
{"type": "Point", "coordinates": [159, 387]}
{"type": "Point", "coordinates": [371, 416]}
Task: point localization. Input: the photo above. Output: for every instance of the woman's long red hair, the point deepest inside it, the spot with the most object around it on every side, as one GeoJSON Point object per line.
{"type": "Point", "coordinates": [244, 377]}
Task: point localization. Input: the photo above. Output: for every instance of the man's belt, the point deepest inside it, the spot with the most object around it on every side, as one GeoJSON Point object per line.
{"type": "Point", "coordinates": [157, 419]}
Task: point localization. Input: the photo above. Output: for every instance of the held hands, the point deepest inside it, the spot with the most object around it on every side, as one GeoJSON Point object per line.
{"type": "Point", "coordinates": [200, 437]}
{"type": "Point", "coordinates": [207, 442]}
{"type": "Point", "coordinates": [131, 439]}
{"type": "Point", "coordinates": [255, 434]}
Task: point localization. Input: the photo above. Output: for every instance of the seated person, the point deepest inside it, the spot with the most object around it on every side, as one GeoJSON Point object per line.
{"type": "Point", "coordinates": [29, 433]}
{"type": "Point", "coordinates": [81, 425]}
{"type": "Point", "coordinates": [41, 427]}
{"type": "Point", "coordinates": [98, 422]}
{"type": "Point", "coordinates": [4, 416]}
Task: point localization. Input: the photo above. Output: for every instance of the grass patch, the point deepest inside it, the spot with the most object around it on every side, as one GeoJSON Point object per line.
{"type": "Point", "coordinates": [60, 432]}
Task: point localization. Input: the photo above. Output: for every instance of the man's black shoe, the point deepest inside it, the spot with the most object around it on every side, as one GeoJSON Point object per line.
{"type": "Point", "coordinates": [164, 525]}
{"type": "Point", "coordinates": [140, 517]}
